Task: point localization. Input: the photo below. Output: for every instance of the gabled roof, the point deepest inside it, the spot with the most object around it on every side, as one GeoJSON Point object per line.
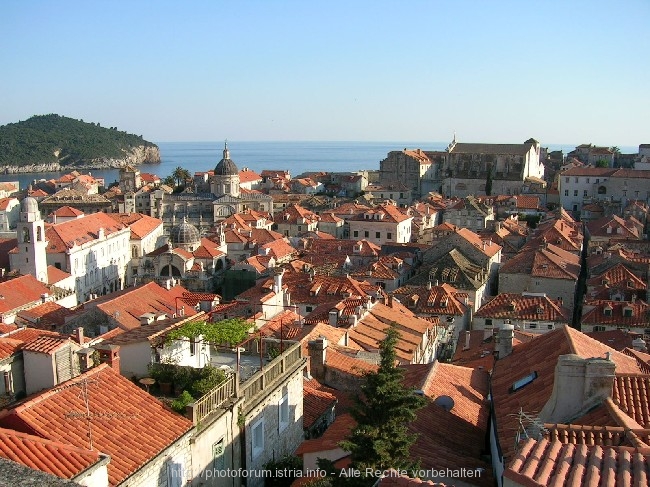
{"type": "Point", "coordinates": [20, 292]}
{"type": "Point", "coordinates": [542, 463]}
{"type": "Point", "coordinates": [128, 424]}
{"type": "Point", "coordinates": [48, 316]}
{"type": "Point", "coordinates": [125, 307]}
{"type": "Point", "coordinates": [68, 211]}
{"type": "Point", "coordinates": [541, 356]}
{"type": "Point", "coordinates": [315, 403]}
{"type": "Point", "coordinates": [140, 224]}
{"type": "Point", "coordinates": [520, 307]}
{"type": "Point", "coordinates": [53, 457]}
{"type": "Point", "coordinates": [549, 261]}
{"type": "Point", "coordinates": [55, 275]}
{"type": "Point", "coordinates": [605, 312]}
{"type": "Point", "coordinates": [64, 236]}
{"type": "Point", "coordinates": [511, 149]}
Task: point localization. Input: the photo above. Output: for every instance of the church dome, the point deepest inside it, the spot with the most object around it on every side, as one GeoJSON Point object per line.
{"type": "Point", "coordinates": [185, 234]}
{"type": "Point", "coordinates": [29, 205]}
{"type": "Point", "coordinates": [226, 167]}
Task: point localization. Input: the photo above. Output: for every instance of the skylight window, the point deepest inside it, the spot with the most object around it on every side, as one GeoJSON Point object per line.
{"type": "Point", "coordinates": [524, 381]}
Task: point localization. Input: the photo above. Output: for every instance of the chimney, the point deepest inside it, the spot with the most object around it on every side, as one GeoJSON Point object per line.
{"type": "Point", "coordinates": [333, 318]}
{"type": "Point", "coordinates": [317, 355]}
{"type": "Point", "coordinates": [580, 384]}
{"type": "Point", "coordinates": [429, 285]}
{"type": "Point", "coordinates": [277, 281]}
{"type": "Point", "coordinates": [85, 359]}
{"type": "Point", "coordinates": [44, 297]}
{"type": "Point", "coordinates": [505, 336]}
{"type": "Point", "coordinates": [110, 354]}
{"type": "Point", "coordinates": [79, 335]}
{"type": "Point", "coordinates": [638, 344]}
{"type": "Point", "coordinates": [467, 337]}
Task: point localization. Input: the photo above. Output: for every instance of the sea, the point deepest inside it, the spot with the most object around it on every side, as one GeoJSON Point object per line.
{"type": "Point", "coordinates": [295, 157]}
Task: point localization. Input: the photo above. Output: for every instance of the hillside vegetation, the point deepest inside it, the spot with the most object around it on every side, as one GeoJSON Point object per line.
{"type": "Point", "coordinates": [44, 139]}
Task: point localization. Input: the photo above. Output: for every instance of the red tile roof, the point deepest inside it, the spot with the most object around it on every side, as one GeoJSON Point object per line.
{"type": "Point", "coordinates": [632, 395]}
{"type": "Point", "coordinates": [21, 291]}
{"type": "Point", "coordinates": [53, 457]}
{"type": "Point", "coordinates": [68, 211]}
{"type": "Point", "coordinates": [55, 275]}
{"type": "Point", "coordinates": [141, 225]}
{"type": "Point", "coordinates": [337, 432]}
{"type": "Point", "coordinates": [66, 235]}
{"type": "Point", "coordinates": [549, 261]}
{"type": "Point", "coordinates": [540, 355]}
{"type": "Point", "coordinates": [315, 403]}
{"type": "Point", "coordinates": [612, 313]}
{"type": "Point", "coordinates": [125, 307]}
{"type": "Point", "coordinates": [6, 328]}
{"type": "Point", "coordinates": [47, 316]}
{"type": "Point", "coordinates": [542, 463]}
{"type": "Point", "coordinates": [128, 424]}
{"type": "Point", "coordinates": [9, 346]}
{"type": "Point", "coordinates": [517, 306]}
{"type": "Point", "coordinates": [46, 344]}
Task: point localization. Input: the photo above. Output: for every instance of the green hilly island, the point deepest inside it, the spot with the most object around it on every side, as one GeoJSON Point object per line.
{"type": "Point", "coordinates": [54, 142]}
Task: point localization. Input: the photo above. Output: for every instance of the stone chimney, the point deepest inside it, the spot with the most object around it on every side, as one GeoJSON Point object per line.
{"type": "Point", "coordinates": [505, 336]}
{"type": "Point", "coordinates": [333, 318]}
{"type": "Point", "coordinates": [639, 345]}
{"type": "Point", "coordinates": [317, 355]}
{"type": "Point", "coordinates": [110, 354]}
{"type": "Point", "coordinates": [580, 384]}
{"type": "Point", "coordinates": [277, 281]}
{"type": "Point", "coordinates": [85, 359]}
{"type": "Point", "coordinates": [44, 297]}
{"type": "Point", "coordinates": [467, 337]}
{"type": "Point", "coordinates": [79, 335]}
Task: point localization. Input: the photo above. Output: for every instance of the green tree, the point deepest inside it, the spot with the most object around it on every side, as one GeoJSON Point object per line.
{"type": "Point", "coordinates": [383, 410]}
{"type": "Point", "coordinates": [181, 175]}
{"type": "Point", "coordinates": [488, 182]}
{"type": "Point", "coordinates": [169, 181]}
{"type": "Point", "coordinates": [602, 163]}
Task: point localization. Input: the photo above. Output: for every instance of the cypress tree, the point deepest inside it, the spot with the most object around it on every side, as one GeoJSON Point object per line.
{"type": "Point", "coordinates": [383, 410]}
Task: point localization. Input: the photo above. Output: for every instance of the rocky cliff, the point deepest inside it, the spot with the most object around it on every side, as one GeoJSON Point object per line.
{"type": "Point", "coordinates": [142, 154]}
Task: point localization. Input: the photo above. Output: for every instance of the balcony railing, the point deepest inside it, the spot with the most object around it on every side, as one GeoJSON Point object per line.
{"type": "Point", "coordinates": [259, 382]}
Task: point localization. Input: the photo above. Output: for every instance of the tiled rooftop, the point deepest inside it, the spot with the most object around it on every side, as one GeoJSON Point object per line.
{"type": "Point", "coordinates": [543, 463]}
{"type": "Point", "coordinates": [21, 291]}
{"type": "Point", "coordinates": [517, 306]}
{"type": "Point", "coordinates": [128, 424]}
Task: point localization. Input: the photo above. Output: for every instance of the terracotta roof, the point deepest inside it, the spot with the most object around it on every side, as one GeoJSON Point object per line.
{"type": "Point", "coordinates": [125, 307]}
{"type": "Point", "coordinates": [550, 262]}
{"type": "Point", "coordinates": [9, 346]}
{"type": "Point", "coordinates": [467, 387]}
{"type": "Point", "coordinates": [542, 463]}
{"type": "Point", "coordinates": [6, 328]}
{"type": "Point", "coordinates": [141, 225]}
{"type": "Point", "coordinates": [48, 315]}
{"type": "Point", "coordinates": [348, 365]}
{"type": "Point", "coordinates": [27, 334]}
{"type": "Point", "coordinates": [517, 306]}
{"type": "Point", "coordinates": [128, 424]}
{"type": "Point", "coordinates": [613, 227]}
{"type": "Point", "coordinates": [21, 291]}
{"type": "Point", "coordinates": [247, 176]}
{"type": "Point", "coordinates": [68, 211]}
{"type": "Point", "coordinates": [55, 275]}
{"type": "Point", "coordinates": [4, 202]}
{"type": "Point", "coordinates": [390, 214]}
{"type": "Point", "coordinates": [613, 313]}
{"type": "Point", "coordinates": [46, 344]}
{"type": "Point", "coordinates": [48, 456]}
{"type": "Point", "coordinates": [442, 300]}
{"type": "Point", "coordinates": [632, 396]}
{"type": "Point", "coordinates": [66, 235]}
{"type": "Point", "coordinates": [337, 432]}
{"type": "Point", "coordinates": [540, 355]}
{"type": "Point", "coordinates": [617, 339]}
{"type": "Point", "coordinates": [153, 331]}
{"type": "Point", "coordinates": [315, 402]}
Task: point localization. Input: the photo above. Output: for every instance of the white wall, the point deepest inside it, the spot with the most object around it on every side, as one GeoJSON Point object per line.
{"type": "Point", "coordinates": [39, 371]}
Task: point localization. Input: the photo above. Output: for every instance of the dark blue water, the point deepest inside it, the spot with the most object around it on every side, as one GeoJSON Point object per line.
{"type": "Point", "coordinates": [296, 157]}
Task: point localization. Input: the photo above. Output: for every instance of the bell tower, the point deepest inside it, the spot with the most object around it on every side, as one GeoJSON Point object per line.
{"type": "Point", "coordinates": [31, 258]}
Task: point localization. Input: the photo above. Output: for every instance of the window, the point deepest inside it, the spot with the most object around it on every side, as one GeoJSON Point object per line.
{"type": "Point", "coordinates": [584, 193]}
{"type": "Point", "coordinates": [309, 309]}
{"type": "Point", "coordinates": [193, 346]}
{"type": "Point", "coordinates": [175, 476]}
{"type": "Point", "coordinates": [389, 236]}
{"type": "Point", "coordinates": [488, 322]}
{"type": "Point", "coordinates": [587, 180]}
{"type": "Point", "coordinates": [300, 228]}
{"type": "Point", "coordinates": [550, 327]}
{"type": "Point", "coordinates": [566, 192]}
{"type": "Point", "coordinates": [258, 438]}
{"type": "Point", "coordinates": [576, 180]}
{"type": "Point", "coordinates": [377, 234]}
{"type": "Point", "coordinates": [524, 381]}
{"type": "Point", "coordinates": [57, 265]}
{"type": "Point", "coordinates": [366, 234]}
{"type": "Point", "coordinates": [283, 413]}
{"type": "Point", "coordinates": [218, 459]}
{"type": "Point", "coordinates": [599, 328]}
{"type": "Point", "coordinates": [532, 326]}
{"type": "Point", "coordinates": [575, 192]}
{"type": "Point", "coordinates": [566, 180]}
{"type": "Point", "coordinates": [355, 233]}
{"type": "Point", "coordinates": [9, 382]}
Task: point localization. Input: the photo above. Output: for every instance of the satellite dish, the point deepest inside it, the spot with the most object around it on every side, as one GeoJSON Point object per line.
{"type": "Point", "coordinates": [445, 402]}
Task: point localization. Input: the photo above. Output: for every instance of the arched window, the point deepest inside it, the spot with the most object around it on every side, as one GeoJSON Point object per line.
{"type": "Point", "coordinates": [39, 234]}
{"type": "Point", "coordinates": [134, 252]}
{"type": "Point", "coordinates": [26, 238]}
{"type": "Point", "coordinates": [602, 190]}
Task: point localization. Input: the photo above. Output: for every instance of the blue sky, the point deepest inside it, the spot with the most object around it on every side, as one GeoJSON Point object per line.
{"type": "Point", "coordinates": [493, 71]}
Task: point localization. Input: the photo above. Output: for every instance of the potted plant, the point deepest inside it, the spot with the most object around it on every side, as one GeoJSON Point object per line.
{"type": "Point", "coordinates": [164, 373]}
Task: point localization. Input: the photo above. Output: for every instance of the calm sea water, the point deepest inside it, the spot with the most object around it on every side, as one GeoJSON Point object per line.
{"type": "Point", "coordinates": [296, 157]}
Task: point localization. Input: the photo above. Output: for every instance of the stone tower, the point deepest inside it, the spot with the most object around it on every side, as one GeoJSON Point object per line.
{"type": "Point", "coordinates": [226, 176]}
{"type": "Point", "coordinates": [31, 257]}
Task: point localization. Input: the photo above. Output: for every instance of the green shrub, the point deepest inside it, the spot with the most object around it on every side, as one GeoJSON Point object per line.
{"type": "Point", "coordinates": [182, 401]}
{"type": "Point", "coordinates": [205, 380]}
